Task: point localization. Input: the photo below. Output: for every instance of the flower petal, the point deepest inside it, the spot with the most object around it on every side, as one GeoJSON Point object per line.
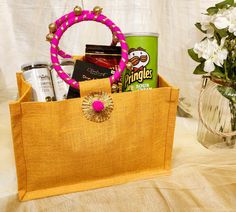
{"type": "Point", "coordinates": [210, 32]}
{"type": "Point", "coordinates": [222, 42]}
{"type": "Point", "coordinates": [221, 22]}
{"type": "Point", "coordinates": [218, 62]}
{"type": "Point", "coordinates": [209, 66]}
{"type": "Point", "coordinates": [220, 57]}
{"type": "Point", "coordinates": [232, 28]}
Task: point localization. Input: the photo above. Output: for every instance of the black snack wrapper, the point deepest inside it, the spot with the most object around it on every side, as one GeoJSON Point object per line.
{"type": "Point", "coordinates": [87, 71]}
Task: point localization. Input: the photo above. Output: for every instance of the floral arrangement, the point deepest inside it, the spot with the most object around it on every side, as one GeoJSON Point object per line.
{"type": "Point", "coordinates": [216, 53]}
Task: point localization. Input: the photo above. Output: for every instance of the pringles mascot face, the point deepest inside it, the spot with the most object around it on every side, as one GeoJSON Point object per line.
{"type": "Point", "coordinates": [134, 79]}
{"type": "Point", "coordinates": [139, 58]}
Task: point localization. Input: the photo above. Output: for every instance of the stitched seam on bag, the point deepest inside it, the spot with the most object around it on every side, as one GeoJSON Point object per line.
{"type": "Point", "coordinates": [25, 167]}
{"type": "Point", "coordinates": [167, 130]}
{"type": "Point", "coordinates": [29, 89]}
{"type": "Point", "coordinates": [23, 183]}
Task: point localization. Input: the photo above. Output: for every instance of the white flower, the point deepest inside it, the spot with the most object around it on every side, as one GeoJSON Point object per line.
{"type": "Point", "coordinates": [221, 19]}
{"type": "Point", "coordinates": [221, 22]}
{"type": "Point", "coordinates": [206, 26]}
{"type": "Point", "coordinates": [211, 52]}
{"type": "Point", "coordinates": [226, 18]}
{"type": "Point", "coordinates": [232, 19]}
{"type": "Point", "coordinates": [232, 29]}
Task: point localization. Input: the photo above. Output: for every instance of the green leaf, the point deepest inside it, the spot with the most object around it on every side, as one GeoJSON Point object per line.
{"type": "Point", "coordinates": [194, 56]}
{"type": "Point", "coordinates": [224, 4]}
{"type": "Point", "coordinates": [218, 72]}
{"type": "Point", "coordinates": [222, 32]}
{"type": "Point", "coordinates": [217, 37]}
{"type": "Point", "coordinates": [200, 69]}
{"type": "Point", "coordinates": [199, 26]}
{"type": "Point", "coordinates": [227, 92]}
{"type": "Point", "coordinates": [219, 33]}
{"type": "Point", "coordinates": [212, 10]}
{"type": "Point", "coordinates": [234, 65]}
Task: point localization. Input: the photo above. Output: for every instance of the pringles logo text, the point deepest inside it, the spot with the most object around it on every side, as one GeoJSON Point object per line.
{"type": "Point", "coordinates": [138, 76]}
{"type": "Point", "coordinates": [139, 59]}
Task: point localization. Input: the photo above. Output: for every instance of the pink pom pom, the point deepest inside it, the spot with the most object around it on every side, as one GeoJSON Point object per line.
{"type": "Point", "coordinates": [98, 106]}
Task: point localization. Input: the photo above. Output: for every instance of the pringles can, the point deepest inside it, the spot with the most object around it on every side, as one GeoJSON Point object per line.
{"type": "Point", "coordinates": [143, 55]}
{"type": "Point", "coordinates": [60, 87]}
{"type": "Point", "coordinates": [38, 75]}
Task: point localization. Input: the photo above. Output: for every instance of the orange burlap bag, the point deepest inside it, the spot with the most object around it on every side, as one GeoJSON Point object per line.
{"type": "Point", "coordinates": [57, 150]}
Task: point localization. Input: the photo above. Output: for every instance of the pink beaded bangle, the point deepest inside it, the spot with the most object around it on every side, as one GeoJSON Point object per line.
{"type": "Point", "coordinates": [70, 19]}
{"type": "Point", "coordinates": [66, 17]}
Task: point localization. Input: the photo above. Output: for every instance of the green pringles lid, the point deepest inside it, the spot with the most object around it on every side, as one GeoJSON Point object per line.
{"type": "Point", "coordinates": [149, 34]}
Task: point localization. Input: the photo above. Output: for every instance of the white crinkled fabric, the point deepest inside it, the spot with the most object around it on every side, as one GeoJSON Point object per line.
{"type": "Point", "coordinates": [24, 25]}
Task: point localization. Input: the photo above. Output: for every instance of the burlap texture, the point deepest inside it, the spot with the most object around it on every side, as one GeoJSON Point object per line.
{"type": "Point", "coordinates": [57, 150]}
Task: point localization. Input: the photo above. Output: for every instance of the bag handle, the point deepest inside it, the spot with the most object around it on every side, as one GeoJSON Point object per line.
{"type": "Point", "coordinates": [85, 15]}
{"type": "Point", "coordinates": [54, 26]}
{"type": "Point", "coordinates": [201, 117]}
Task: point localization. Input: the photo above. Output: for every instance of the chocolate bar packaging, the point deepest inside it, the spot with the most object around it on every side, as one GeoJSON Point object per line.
{"type": "Point", "coordinates": [87, 71]}
{"type": "Point", "coordinates": [100, 62]}
{"type": "Point", "coordinates": [104, 56]}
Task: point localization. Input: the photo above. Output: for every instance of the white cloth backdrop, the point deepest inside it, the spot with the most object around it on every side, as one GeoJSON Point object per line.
{"type": "Point", "coordinates": [24, 25]}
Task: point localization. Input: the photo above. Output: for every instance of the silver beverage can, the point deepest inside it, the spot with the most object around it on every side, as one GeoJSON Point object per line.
{"type": "Point", "coordinates": [60, 87]}
{"type": "Point", "coordinates": [38, 75]}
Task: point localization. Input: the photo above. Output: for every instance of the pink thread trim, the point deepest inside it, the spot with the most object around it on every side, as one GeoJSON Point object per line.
{"type": "Point", "coordinates": [85, 16]}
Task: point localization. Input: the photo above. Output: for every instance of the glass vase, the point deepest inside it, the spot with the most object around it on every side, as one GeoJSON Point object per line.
{"type": "Point", "coordinates": [217, 114]}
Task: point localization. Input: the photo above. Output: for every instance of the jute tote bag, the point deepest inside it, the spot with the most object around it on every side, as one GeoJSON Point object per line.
{"type": "Point", "coordinates": [59, 150]}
